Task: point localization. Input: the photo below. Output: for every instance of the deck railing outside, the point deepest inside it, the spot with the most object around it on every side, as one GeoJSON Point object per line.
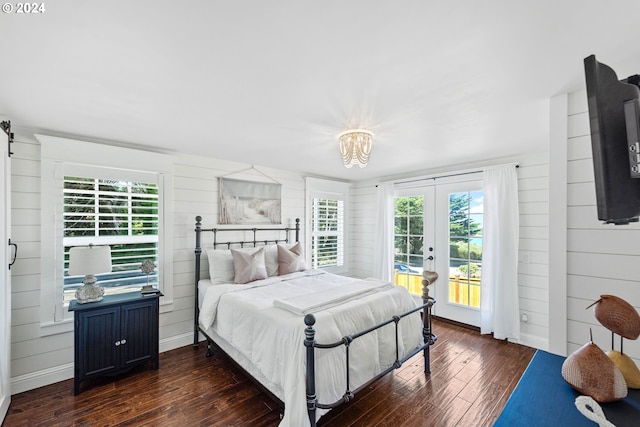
{"type": "Point", "coordinates": [461, 290]}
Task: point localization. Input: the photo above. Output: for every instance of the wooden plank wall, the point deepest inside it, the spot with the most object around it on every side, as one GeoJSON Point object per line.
{"type": "Point", "coordinates": [601, 259]}
{"type": "Point", "coordinates": [533, 265]}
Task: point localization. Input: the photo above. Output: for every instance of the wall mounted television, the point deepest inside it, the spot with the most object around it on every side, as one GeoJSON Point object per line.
{"type": "Point", "coordinates": [614, 118]}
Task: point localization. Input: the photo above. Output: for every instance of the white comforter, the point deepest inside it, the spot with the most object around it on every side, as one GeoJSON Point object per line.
{"type": "Point", "coordinates": [272, 337]}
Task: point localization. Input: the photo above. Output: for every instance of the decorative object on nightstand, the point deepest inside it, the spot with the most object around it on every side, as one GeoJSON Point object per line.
{"type": "Point", "coordinates": [89, 261]}
{"type": "Point", "coordinates": [147, 268]}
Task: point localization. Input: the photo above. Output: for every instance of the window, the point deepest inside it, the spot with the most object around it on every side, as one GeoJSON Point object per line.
{"type": "Point", "coordinates": [465, 247]}
{"type": "Point", "coordinates": [121, 214]}
{"type": "Point", "coordinates": [326, 230]}
{"type": "Point", "coordinates": [106, 195]}
{"type": "Point", "coordinates": [327, 233]}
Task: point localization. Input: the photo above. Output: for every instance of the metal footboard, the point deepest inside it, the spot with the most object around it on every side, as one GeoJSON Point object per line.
{"type": "Point", "coordinates": [311, 345]}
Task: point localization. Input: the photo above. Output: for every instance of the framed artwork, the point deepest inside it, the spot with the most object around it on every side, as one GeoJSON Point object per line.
{"type": "Point", "coordinates": [249, 202]}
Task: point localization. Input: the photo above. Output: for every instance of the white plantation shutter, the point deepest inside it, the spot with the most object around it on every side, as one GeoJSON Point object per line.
{"type": "Point", "coordinates": [327, 235]}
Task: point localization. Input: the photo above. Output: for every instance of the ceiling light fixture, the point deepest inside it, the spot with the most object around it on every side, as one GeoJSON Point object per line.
{"type": "Point", "coordinates": [355, 146]}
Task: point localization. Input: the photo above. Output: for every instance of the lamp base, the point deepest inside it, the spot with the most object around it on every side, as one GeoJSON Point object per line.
{"type": "Point", "coordinates": [89, 292]}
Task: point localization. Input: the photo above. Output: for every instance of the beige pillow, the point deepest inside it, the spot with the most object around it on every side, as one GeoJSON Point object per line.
{"type": "Point", "coordinates": [248, 266]}
{"type": "Point", "coordinates": [290, 260]}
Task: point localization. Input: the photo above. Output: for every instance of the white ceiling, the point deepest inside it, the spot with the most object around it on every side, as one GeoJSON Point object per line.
{"type": "Point", "coordinates": [271, 83]}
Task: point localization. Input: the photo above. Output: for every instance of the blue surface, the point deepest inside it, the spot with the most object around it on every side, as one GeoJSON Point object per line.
{"type": "Point", "coordinates": [542, 398]}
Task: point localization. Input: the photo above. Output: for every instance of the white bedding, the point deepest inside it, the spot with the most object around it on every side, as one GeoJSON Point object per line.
{"type": "Point", "coordinates": [271, 338]}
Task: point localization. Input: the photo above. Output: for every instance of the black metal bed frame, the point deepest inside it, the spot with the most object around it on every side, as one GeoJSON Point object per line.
{"type": "Point", "coordinates": [309, 342]}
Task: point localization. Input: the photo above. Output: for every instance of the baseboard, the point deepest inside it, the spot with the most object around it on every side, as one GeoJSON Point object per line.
{"type": "Point", "coordinates": [64, 372]}
{"type": "Point", "coordinates": [177, 341]}
{"type": "Point", "coordinates": [4, 406]}
{"type": "Point", "coordinates": [41, 378]}
{"type": "Point", "coordinates": [525, 339]}
{"type": "Point", "coordinates": [455, 322]}
{"type": "Point", "coordinates": [534, 342]}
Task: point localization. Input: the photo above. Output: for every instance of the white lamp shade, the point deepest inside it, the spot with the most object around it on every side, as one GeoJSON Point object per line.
{"type": "Point", "coordinates": [91, 259]}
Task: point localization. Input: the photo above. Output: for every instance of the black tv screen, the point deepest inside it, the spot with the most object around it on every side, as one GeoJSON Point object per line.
{"type": "Point", "coordinates": [614, 117]}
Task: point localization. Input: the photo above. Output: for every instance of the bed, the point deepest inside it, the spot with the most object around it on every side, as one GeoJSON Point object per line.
{"type": "Point", "coordinates": [310, 339]}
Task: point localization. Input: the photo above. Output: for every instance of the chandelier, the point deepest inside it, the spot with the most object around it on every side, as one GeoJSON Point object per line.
{"type": "Point", "coordinates": [355, 146]}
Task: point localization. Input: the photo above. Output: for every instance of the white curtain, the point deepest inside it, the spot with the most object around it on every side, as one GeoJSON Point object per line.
{"type": "Point", "coordinates": [499, 301]}
{"type": "Point", "coordinates": [383, 245]}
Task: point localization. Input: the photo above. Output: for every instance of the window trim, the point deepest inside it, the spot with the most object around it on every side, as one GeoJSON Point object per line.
{"type": "Point", "coordinates": [334, 190]}
{"type": "Point", "coordinates": [58, 154]}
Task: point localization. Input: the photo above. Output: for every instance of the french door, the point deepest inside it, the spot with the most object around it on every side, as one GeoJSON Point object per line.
{"type": "Point", "coordinates": [438, 227]}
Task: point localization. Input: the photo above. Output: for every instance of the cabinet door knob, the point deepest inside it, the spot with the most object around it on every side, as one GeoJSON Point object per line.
{"type": "Point", "coordinates": [123, 341]}
{"type": "Point", "coordinates": [117, 343]}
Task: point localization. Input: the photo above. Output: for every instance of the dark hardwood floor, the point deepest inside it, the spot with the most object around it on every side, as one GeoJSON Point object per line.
{"type": "Point", "coordinates": [471, 378]}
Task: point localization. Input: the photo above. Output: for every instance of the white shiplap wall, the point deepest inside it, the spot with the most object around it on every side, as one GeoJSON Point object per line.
{"type": "Point", "coordinates": [601, 258]}
{"type": "Point", "coordinates": [39, 360]}
{"type": "Point", "coordinates": [362, 228]}
{"type": "Point", "coordinates": [533, 265]}
{"type": "Point", "coordinates": [533, 269]}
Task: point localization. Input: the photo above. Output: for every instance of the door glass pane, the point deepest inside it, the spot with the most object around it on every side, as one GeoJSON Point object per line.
{"type": "Point", "coordinates": [409, 242]}
{"type": "Point", "coordinates": [465, 248]}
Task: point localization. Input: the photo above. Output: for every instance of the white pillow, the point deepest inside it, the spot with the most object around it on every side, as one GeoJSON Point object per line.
{"type": "Point", "coordinates": [220, 266]}
{"type": "Point", "coordinates": [271, 260]}
{"type": "Point", "coordinates": [248, 266]}
{"type": "Point", "coordinates": [291, 259]}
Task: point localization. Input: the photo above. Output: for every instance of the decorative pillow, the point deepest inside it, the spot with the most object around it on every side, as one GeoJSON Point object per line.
{"type": "Point", "coordinates": [290, 260]}
{"type": "Point", "coordinates": [220, 266]}
{"type": "Point", "coordinates": [591, 372]}
{"type": "Point", "coordinates": [248, 266]}
{"type": "Point", "coordinates": [271, 257]}
{"type": "Point", "coordinates": [221, 269]}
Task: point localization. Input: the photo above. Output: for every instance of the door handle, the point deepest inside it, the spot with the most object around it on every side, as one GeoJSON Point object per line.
{"type": "Point", "coordinates": [15, 253]}
{"type": "Point", "coordinates": [429, 258]}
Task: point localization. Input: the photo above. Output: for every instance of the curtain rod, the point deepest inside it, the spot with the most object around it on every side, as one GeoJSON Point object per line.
{"type": "Point", "coordinates": [447, 175]}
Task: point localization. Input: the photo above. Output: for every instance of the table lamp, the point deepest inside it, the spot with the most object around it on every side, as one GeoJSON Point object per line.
{"type": "Point", "coordinates": [89, 260]}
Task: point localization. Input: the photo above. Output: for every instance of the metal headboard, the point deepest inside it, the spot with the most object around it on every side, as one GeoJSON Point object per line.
{"type": "Point", "coordinates": [254, 242]}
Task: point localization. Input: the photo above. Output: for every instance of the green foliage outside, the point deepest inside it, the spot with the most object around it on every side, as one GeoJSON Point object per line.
{"type": "Point", "coordinates": [461, 224]}
{"type": "Point", "coordinates": [470, 271]}
{"type": "Point", "coordinates": [461, 249]}
{"type": "Point", "coordinates": [408, 229]}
